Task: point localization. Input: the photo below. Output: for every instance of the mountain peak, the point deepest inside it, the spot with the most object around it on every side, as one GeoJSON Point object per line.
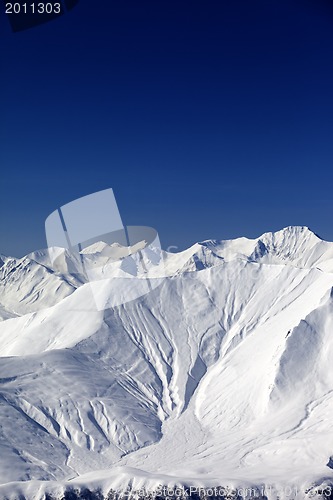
{"type": "Point", "coordinates": [290, 235]}
{"type": "Point", "coordinates": [292, 231]}
{"type": "Point", "coordinates": [296, 231]}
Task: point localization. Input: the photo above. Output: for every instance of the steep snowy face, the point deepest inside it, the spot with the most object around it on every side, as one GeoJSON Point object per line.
{"type": "Point", "coordinates": [26, 285]}
{"type": "Point", "coordinates": [222, 371]}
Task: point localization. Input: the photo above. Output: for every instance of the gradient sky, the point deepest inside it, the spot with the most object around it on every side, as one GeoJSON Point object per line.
{"type": "Point", "coordinates": [210, 119]}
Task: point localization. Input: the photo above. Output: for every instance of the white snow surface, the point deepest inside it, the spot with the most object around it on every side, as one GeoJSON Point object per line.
{"type": "Point", "coordinates": [221, 375]}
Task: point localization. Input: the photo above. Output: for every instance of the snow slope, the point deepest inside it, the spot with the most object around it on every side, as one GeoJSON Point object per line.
{"type": "Point", "coordinates": [220, 375]}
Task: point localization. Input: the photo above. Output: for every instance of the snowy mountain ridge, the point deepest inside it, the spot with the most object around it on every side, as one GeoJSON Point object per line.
{"type": "Point", "coordinates": [20, 294]}
{"type": "Point", "coordinates": [220, 375]}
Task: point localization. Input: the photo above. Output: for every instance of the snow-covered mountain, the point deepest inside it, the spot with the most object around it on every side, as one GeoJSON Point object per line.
{"type": "Point", "coordinates": [221, 375]}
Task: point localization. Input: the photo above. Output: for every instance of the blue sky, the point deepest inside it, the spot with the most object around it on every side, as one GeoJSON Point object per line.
{"type": "Point", "coordinates": [208, 119]}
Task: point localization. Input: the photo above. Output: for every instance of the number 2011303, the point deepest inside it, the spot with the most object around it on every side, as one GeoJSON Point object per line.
{"type": "Point", "coordinates": [33, 8]}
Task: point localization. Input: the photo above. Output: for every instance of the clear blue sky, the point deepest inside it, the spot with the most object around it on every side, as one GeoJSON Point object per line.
{"type": "Point", "coordinates": [209, 119]}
